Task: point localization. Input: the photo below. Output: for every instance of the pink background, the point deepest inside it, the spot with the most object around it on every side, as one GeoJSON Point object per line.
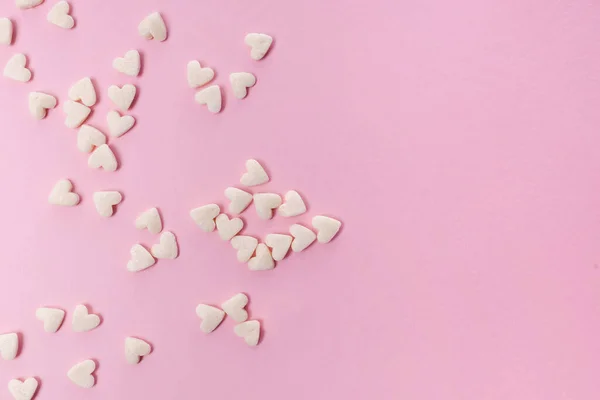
{"type": "Point", "coordinates": [457, 140]}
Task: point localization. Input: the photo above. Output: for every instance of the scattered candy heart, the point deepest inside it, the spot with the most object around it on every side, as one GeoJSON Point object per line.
{"type": "Point", "coordinates": [167, 248]}
{"type": "Point", "coordinates": [326, 228]}
{"type": "Point", "coordinates": [140, 259]}
{"type": "Point", "coordinates": [303, 237]}
{"type": "Point", "coordinates": [119, 125]}
{"type": "Point", "coordinates": [83, 321]}
{"type": "Point", "coordinates": [263, 260]}
{"type": "Point", "coordinates": [256, 174]}
{"type": "Point", "coordinates": [149, 219]}
{"type": "Point", "coordinates": [293, 205]}
{"type": "Point", "coordinates": [250, 331]}
{"type": "Point", "coordinates": [59, 15]}
{"type": "Point", "coordinates": [135, 349]}
{"type": "Point", "coordinates": [245, 246]}
{"type": "Point", "coordinates": [130, 64]}
{"type": "Point", "coordinates": [228, 228]}
{"type": "Point", "coordinates": [153, 27]}
{"type": "Point", "coordinates": [88, 138]}
{"type": "Point", "coordinates": [77, 113]}
{"type": "Point", "coordinates": [265, 203]}
{"type": "Point", "coordinates": [105, 201]}
{"type": "Point", "coordinates": [198, 76]}
{"type": "Point", "coordinates": [15, 68]}
{"type": "Point", "coordinates": [62, 194]}
{"type": "Point", "coordinates": [51, 317]}
{"type": "Point", "coordinates": [103, 157]}
{"type": "Point", "coordinates": [9, 346]}
{"type": "Point", "coordinates": [23, 390]}
{"type": "Point", "coordinates": [211, 96]}
{"type": "Point", "coordinates": [25, 4]}
{"type": "Point", "coordinates": [240, 82]}
{"type": "Point", "coordinates": [122, 96]}
{"type": "Point", "coordinates": [234, 307]}
{"type": "Point", "coordinates": [259, 44]}
{"type": "Point", "coordinates": [83, 90]}
{"type": "Point", "coordinates": [240, 199]}
{"type": "Point", "coordinates": [81, 374]}
{"type": "Point", "coordinates": [6, 31]}
{"type": "Point", "coordinates": [39, 103]}
{"type": "Point", "coordinates": [211, 317]}
{"type": "Point", "coordinates": [205, 216]}
{"type": "Point", "coordinates": [280, 245]}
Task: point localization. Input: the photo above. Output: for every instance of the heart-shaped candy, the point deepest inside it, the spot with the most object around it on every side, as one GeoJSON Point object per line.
{"type": "Point", "coordinates": [326, 228]}
{"type": "Point", "coordinates": [167, 247]}
{"type": "Point", "coordinates": [153, 27]}
{"type": "Point", "coordinates": [77, 113]}
{"type": "Point", "coordinates": [62, 194]}
{"type": "Point", "coordinates": [51, 317]}
{"type": "Point", "coordinates": [211, 317]}
{"type": "Point", "coordinates": [89, 137]}
{"type": "Point", "coordinates": [197, 75]}
{"type": "Point", "coordinates": [81, 374]}
{"type": "Point", "coordinates": [6, 31]}
{"type": "Point", "coordinates": [240, 199]}
{"type": "Point", "coordinates": [211, 97]}
{"type": "Point", "coordinates": [135, 349]}
{"type": "Point", "coordinates": [25, 4]}
{"type": "Point", "coordinates": [250, 331]}
{"type": "Point", "coordinates": [122, 96]}
{"type": "Point", "coordinates": [9, 346]}
{"type": "Point", "coordinates": [235, 307]}
{"type": "Point", "coordinates": [15, 68]}
{"type": "Point", "coordinates": [265, 203]}
{"type": "Point", "coordinates": [303, 237]}
{"type": "Point", "coordinates": [259, 43]}
{"type": "Point", "coordinates": [149, 219]}
{"type": "Point", "coordinates": [228, 228]}
{"type": "Point", "coordinates": [23, 390]}
{"type": "Point", "coordinates": [280, 245]}
{"type": "Point", "coordinates": [140, 259]}
{"type": "Point", "coordinates": [263, 260]}
{"type": "Point", "coordinates": [83, 90]}
{"type": "Point", "coordinates": [103, 157]}
{"type": "Point", "coordinates": [105, 202]}
{"type": "Point", "coordinates": [255, 175]}
{"type": "Point", "coordinates": [59, 15]}
{"type": "Point", "coordinates": [39, 103]}
{"type": "Point", "coordinates": [205, 216]}
{"type": "Point", "coordinates": [240, 82]}
{"type": "Point", "coordinates": [83, 320]}
{"type": "Point", "coordinates": [293, 205]}
{"type": "Point", "coordinates": [119, 125]}
{"type": "Point", "coordinates": [130, 64]}
{"type": "Point", "coordinates": [245, 246]}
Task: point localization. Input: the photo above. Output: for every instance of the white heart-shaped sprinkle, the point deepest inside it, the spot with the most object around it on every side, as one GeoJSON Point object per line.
{"type": "Point", "coordinates": [83, 90]}
{"type": "Point", "coordinates": [250, 331]}
{"type": "Point", "coordinates": [105, 202]}
{"type": "Point", "coordinates": [77, 113]}
{"type": "Point", "coordinates": [255, 175]}
{"type": "Point", "coordinates": [167, 247]}
{"type": "Point", "coordinates": [9, 346]}
{"type": "Point", "coordinates": [211, 96]}
{"type": "Point", "coordinates": [6, 31]}
{"type": "Point", "coordinates": [303, 237]}
{"type": "Point", "coordinates": [280, 245]}
{"type": "Point", "coordinates": [140, 259]}
{"type": "Point", "coordinates": [89, 138]}
{"type": "Point", "coordinates": [211, 317]}
{"type": "Point", "coordinates": [245, 246]}
{"type": "Point", "coordinates": [153, 27]}
{"type": "Point", "coordinates": [15, 68]}
{"type": "Point", "coordinates": [62, 194]}
{"type": "Point", "coordinates": [23, 390]}
{"type": "Point", "coordinates": [265, 203]}
{"type": "Point", "coordinates": [293, 205]}
{"type": "Point", "coordinates": [326, 228]}
{"type": "Point", "coordinates": [135, 349]}
{"type": "Point", "coordinates": [149, 219]}
{"type": "Point", "coordinates": [40, 103]}
{"type": "Point", "coordinates": [197, 75]}
{"type": "Point", "coordinates": [259, 44]}
{"type": "Point", "coordinates": [81, 374]}
{"type": "Point", "coordinates": [59, 15]}
{"type": "Point", "coordinates": [205, 216]}
{"type": "Point", "coordinates": [240, 82]}
{"type": "Point", "coordinates": [228, 228]}
{"type": "Point", "coordinates": [103, 157]}
{"type": "Point", "coordinates": [51, 317]}
{"type": "Point", "coordinates": [263, 260]}
{"type": "Point", "coordinates": [122, 96]}
{"type": "Point", "coordinates": [239, 199]}
{"type": "Point", "coordinates": [83, 320]}
{"type": "Point", "coordinates": [130, 64]}
{"type": "Point", "coordinates": [25, 4]}
{"type": "Point", "coordinates": [234, 307]}
{"type": "Point", "coordinates": [119, 125]}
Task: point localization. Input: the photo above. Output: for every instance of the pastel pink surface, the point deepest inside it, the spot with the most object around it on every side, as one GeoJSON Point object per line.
{"type": "Point", "coordinates": [457, 141]}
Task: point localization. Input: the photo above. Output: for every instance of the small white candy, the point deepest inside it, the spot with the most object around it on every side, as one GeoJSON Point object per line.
{"type": "Point", "coordinates": [245, 246]}
{"type": "Point", "coordinates": [103, 157]}
{"type": "Point", "coordinates": [81, 374]}
{"type": "Point", "coordinates": [265, 203]}
{"type": "Point", "coordinates": [240, 199]}
{"type": "Point", "coordinates": [135, 349]}
{"type": "Point", "coordinates": [83, 321]}
{"type": "Point", "coordinates": [88, 138]}
{"type": "Point", "coordinates": [250, 331]}
{"type": "Point", "coordinates": [256, 174]}
{"type": "Point", "coordinates": [240, 82]}
{"type": "Point", "coordinates": [211, 317]}
{"type": "Point", "coordinates": [51, 317]}
{"type": "Point", "coordinates": [105, 202]}
{"type": "Point", "coordinates": [326, 228]}
{"type": "Point", "coordinates": [153, 27]}
{"type": "Point", "coordinates": [62, 194]}
{"type": "Point", "coordinates": [15, 68]}
{"type": "Point", "coordinates": [59, 15]}
{"type": "Point", "coordinates": [119, 125]}
{"type": "Point", "coordinates": [9, 346]}
{"type": "Point", "coordinates": [23, 390]}
{"type": "Point", "coordinates": [130, 64]}
{"type": "Point", "coordinates": [122, 96]}
{"type": "Point", "coordinates": [259, 44]}
{"type": "Point", "coordinates": [211, 96]}
{"type": "Point", "coordinates": [234, 307]}
{"type": "Point", "coordinates": [140, 259]}
{"type": "Point", "coordinates": [149, 219]}
{"type": "Point", "coordinates": [25, 4]}
{"type": "Point", "coordinates": [293, 205]}
{"type": "Point", "coordinates": [6, 31]}
{"type": "Point", "coordinates": [77, 113]}
{"type": "Point", "coordinates": [40, 103]}
{"type": "Point", "coordinates": [263, 260]}
{"type": "Point", "coordinates": [303, 237]}
{"type": "Point", "coordinates": [83, 90]}
{"type": "Point", "coordinates": [228, 228]}
{"type": "Point", "coordinates": [197, 75]}
{"type": "Point", "coordinates": [167, 247]}
{"type": "Point", "coordinates": [205, 216]}
{"type": "Point", "coordinates": [280, 245]}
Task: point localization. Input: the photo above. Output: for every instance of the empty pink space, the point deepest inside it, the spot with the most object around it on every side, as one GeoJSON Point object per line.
{"type": "Point", "coordinates": [458, 141]}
